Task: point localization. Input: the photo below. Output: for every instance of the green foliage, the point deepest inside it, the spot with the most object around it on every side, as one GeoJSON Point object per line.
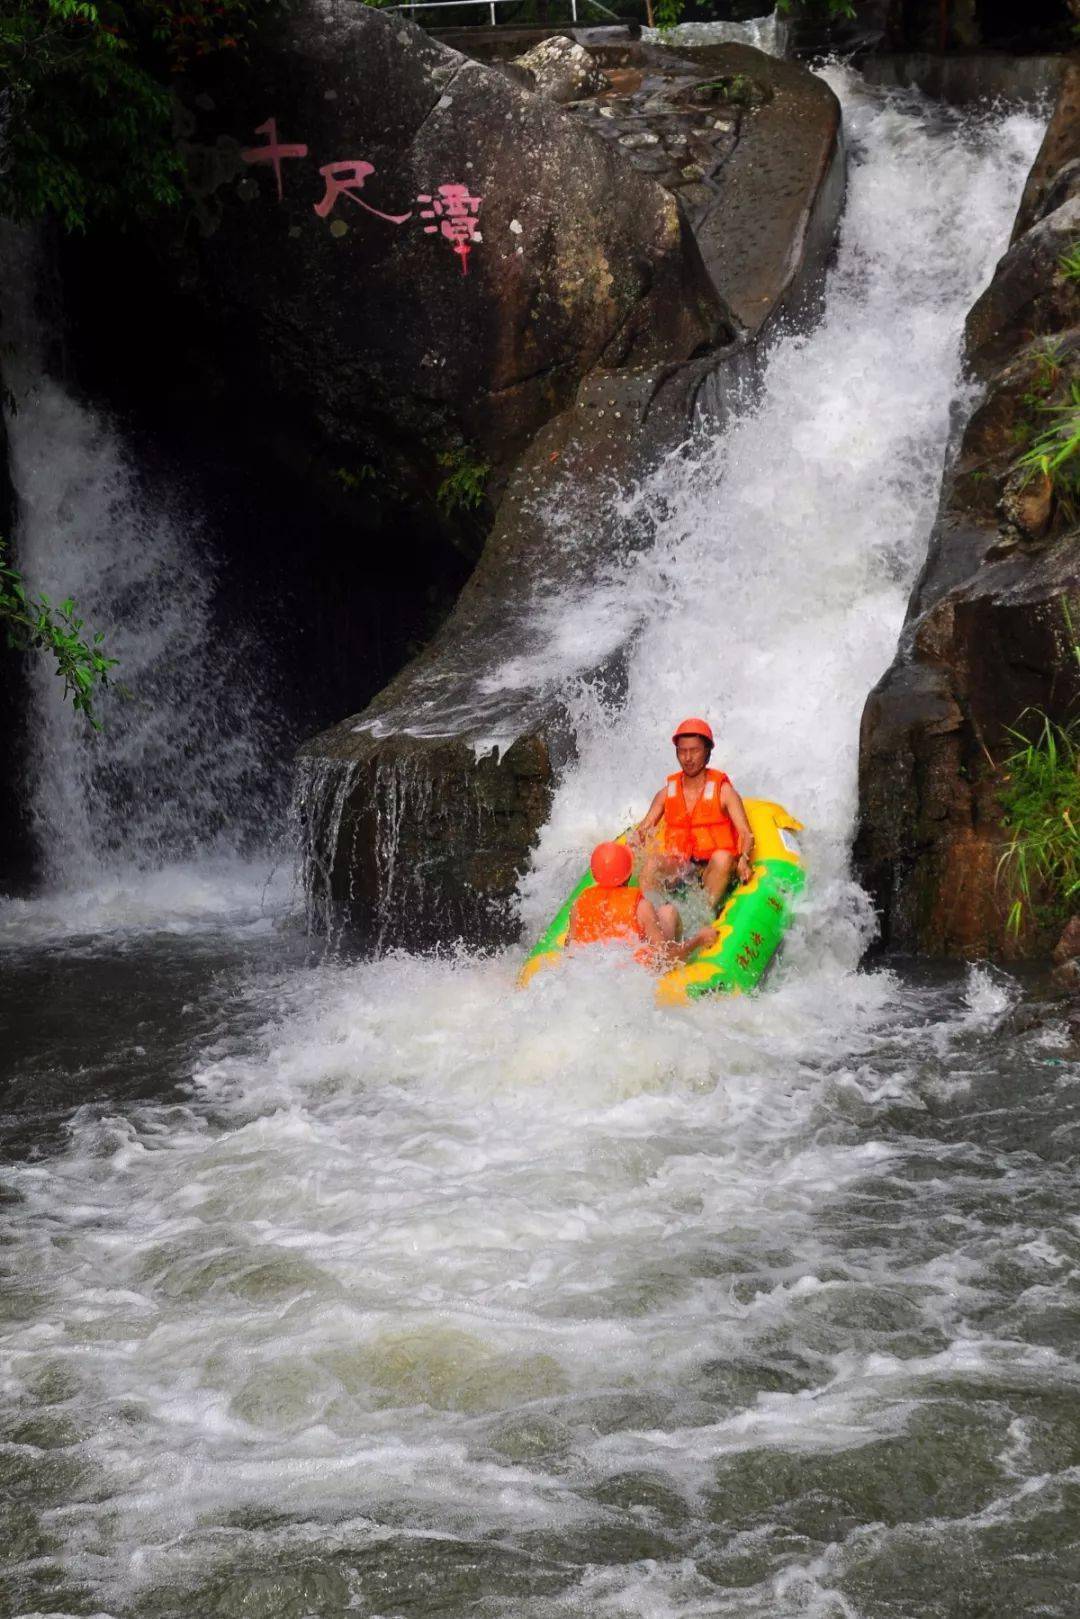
{"type": "Point", "coordinates": [351, 478]}
{"type": "Point", "coordinates": [1055, 451]}
{"type": "Point", "coordinates": [665, 14]}
{"type": "Point", "coordinates": [1069, 263]}
{"type": "Point", "coordinates": [86, 109]}
{"type": "Point", "coordinates": [34, 624]}
{"type": "Point", "coordinates": [821, 8]}
{"type": "Point", "coordinates": [1041, 801]}
{"type": "Point", "coordinates": [464, 486]}
{"type": "Point", "coordinates": [1045, 378]}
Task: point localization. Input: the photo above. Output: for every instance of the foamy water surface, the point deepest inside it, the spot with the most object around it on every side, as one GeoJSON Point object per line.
{"type": "Point", "coordinates": [379, 1287]}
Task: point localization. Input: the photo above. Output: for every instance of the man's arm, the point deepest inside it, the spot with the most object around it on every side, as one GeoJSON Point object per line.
{"type": "Point", "coordinates": [653, 816]}
{"type": "Point", "coordinates": [731, 801]}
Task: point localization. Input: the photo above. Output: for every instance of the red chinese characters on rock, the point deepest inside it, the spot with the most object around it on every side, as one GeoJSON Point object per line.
{"type": "Point", "coordinates": [457, 213]}
{"type": "Point", "coordinates": [454, 212]}
{"type": "Point", "coordinates": [345, 180]}
{"type": "Point", "coordinates": [272, 152]}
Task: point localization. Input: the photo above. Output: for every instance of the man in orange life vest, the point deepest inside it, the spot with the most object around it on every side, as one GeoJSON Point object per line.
{"type": "Point", "coordinates": [699, 821]}
{"type": "Point", "coordinates": [613, 911]}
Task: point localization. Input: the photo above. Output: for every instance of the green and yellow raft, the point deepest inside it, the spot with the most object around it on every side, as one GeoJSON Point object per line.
{"type": "Point", "coordinates": [748, 929]}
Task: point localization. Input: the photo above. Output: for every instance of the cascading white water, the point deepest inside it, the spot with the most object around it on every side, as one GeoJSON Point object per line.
{"type": "Point", "coordinates": [179, 771]}
{"type": "Point", "coordinates": [768, 34]}
{"type": "Point", "coordinates": [784, 553]}
{"type": "Point", "coordinates": [430, 1297]}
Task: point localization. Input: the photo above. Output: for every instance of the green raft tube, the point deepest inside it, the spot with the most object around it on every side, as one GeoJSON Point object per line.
{"type": "Point", "coordinates": [749, 927]}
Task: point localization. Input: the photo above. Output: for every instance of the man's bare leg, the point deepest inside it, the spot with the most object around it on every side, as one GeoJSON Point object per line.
{"type": "Point", "coordinates": [670, 921]}
{"type": "Point", "coordinates": [703, 937]}
{"type": "Point", "coordinates": [716, 878]}
{"type": "Point", "coordinates": [660, 925]}
{"type": "Point", "coordinates": [660, 871]}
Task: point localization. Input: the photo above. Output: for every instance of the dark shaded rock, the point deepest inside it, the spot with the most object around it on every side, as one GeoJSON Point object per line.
{"type": "Point", "coordinates": [506, 42]}
{"type": "Point", "coordinates": [454, 727]}
{"type": "Point", "coordinates": [16, 847]}
{"type": "Point", "coordinates": [989, 642]}
{"type": "Point", "coordinates": [1068, 945]}
{"type": "Point", "coordinates": [963, 26]}
{"type": "Point", "coordinates": [320, 392]}
{"type": "Point", "coordinates": [1029, 296]}
{"type": "Point", "coordinates": [748, 125]}
{"type": "Point", "coordinates": [1060, 148]}
{"type": "Point", "coordinates": [581, 263]}
{"type": "Point", "coordinates": [874, 26]}
{"type": "Point", "coordinates": [1027, 502]}
{"type": "Point", "coordinates": [561, 69]}
{"type": "Point", "coordinates": [457, 724]}
{"type": "Point", "coordinates": [965, 78]}
{"type": "Point", "coordinates": [1067, 975]}
{"type": "Point", "coordinates": [411, 818]}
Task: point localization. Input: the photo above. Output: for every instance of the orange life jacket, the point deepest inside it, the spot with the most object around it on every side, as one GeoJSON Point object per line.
{"type": "Point", "coordinates": [696, 834]}
{"type": "Point", "coordinates": [605, 913]}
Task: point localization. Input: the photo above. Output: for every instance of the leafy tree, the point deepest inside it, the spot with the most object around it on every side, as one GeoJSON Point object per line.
{"type": "Point", "coordinates": [85, 109]}
{"type": "Point", "coordinates": [34, 624]}
{"type": "Point", "coordinates": [666, 14]}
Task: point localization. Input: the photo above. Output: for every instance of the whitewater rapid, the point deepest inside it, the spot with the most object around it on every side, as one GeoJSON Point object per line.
{"type": "Point", "coordinates": [405, 1293]}
{"type": "Point", "coordinates": [783, 555]}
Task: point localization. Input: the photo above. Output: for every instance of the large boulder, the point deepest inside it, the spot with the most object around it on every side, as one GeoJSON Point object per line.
{"type": "Point", "coordinates": [420, 812]}
{"type": "Point", "coordinates": [397, 340]}
{"type": "Point", "coordinates": [1060, 147]}
{"type": "Point", "coordinates": [561, 69]}
{"type": "Point", "coordinates": [991, 632]}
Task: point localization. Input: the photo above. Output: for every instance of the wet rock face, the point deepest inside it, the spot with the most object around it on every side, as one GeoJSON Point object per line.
{"type": "Point", "coordinates": [394, 338]}
{"type": "Point", "coordinates": [462, 722]}
{"type": "Point", "coordinates": [995, 616]}
{"type": "Point", "coordinates": [929, 25]}
{"type": "Point", "coordinates": [723, 131]}
{"type": "Point", "coordinates": [16, 846]}
{"type": "Point", "coordinates": [561, 69]}
{"type": "Point", "coordinates": [1059, 150]}
{"type": "Point", "coordinates": [418, 841]}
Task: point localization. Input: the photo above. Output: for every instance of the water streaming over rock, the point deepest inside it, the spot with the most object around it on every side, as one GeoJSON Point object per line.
{"type": "Point", "coordinates": [768, 34]}
{"type": "Point", "coordinates": [182, 766]}
{"type": "Point", "coordinates": [421, 1296]}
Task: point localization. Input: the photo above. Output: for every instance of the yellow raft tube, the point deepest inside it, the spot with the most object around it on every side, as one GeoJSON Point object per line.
{"type": "Point", "coordinates": [749, 927]}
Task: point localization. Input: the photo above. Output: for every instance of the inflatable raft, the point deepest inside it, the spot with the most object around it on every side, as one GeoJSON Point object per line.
{"type": "Point", "coordinates": [749, 926]}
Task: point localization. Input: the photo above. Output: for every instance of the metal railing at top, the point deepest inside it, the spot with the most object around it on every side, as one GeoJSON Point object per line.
{"type": "Point", "coordinates": [489, 5]}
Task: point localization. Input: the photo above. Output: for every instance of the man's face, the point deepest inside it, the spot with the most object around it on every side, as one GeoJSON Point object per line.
{"type": "Point", "coordinates": [692, 754]}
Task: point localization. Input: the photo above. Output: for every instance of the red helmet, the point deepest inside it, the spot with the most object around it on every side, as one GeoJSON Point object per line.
{"type": "Point", "coordinates": [694, 727]}
{"type": "Point", "coordinates": [611, 864]}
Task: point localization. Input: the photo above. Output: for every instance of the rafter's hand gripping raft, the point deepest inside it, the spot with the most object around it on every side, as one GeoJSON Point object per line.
{"type": "Point", "coordinates": [748, 929]}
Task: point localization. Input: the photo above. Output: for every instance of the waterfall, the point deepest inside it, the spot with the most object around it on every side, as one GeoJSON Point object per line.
{"type": "Point", "coordinates": [179, 770]}
{"type": "Point", "coordinates": [427, 1295]}
{"type": "Point", "coordinates": [768, 34]}
{"type": "Point", "coordinates": [784, 549]}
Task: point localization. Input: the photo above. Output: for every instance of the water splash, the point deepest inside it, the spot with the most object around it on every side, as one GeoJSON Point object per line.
{"type": "Point", "coordinates": [784, 550]}
{"type": "Point", "coordinates": [559, 1304]}
{"type": "Point", "coordinates": [321, 790]}
{"type": "Point", "coordinates": [183, 765]}
{"type": "Point", "coordinates": [768, 34]}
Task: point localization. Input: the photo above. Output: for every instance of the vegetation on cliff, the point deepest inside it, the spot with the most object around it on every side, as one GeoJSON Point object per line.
{"type": "Point", "coordinates": [666, 14]}
{"type": "Point", "coordinates": [1041, 801]}
{"type": "Point", "coordinates": [34, 624]}
{"type": "Point", "coordinates": [86, 117]}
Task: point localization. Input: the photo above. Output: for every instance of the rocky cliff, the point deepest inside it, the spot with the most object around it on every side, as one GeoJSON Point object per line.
{"type": "Point", "coordinates": [993, 622]}
{"type": "Point", "coordinates": [420, 811]}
